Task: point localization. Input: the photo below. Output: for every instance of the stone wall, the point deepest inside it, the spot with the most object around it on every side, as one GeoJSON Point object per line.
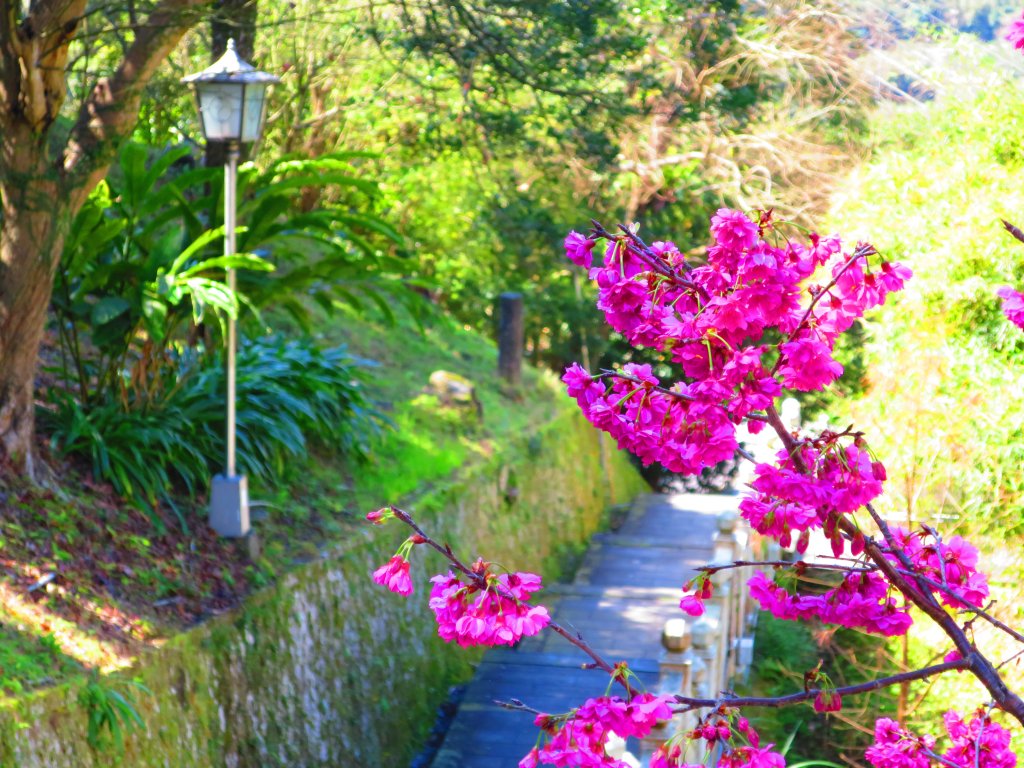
{"type": "Point", "coordinates": [324, 668]}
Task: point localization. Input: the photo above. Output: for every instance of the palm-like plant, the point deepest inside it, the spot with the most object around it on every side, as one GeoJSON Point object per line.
{"type": "Point", "coordinates": [142, 271]}
{"type": "Point", "coordinates": [140, 296]}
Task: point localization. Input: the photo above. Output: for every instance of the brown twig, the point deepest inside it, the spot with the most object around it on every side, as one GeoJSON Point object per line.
{"type": "Point", "coordinates": [608, 373]}
{"type": "Point", "coordinates": [862, 251]}
{"type": "Point", "coordinates": [1013, 230]}
{"type": "Point", "coordinates": [642, 251]}
{"type": "Point", "coordinates": [969, 607]}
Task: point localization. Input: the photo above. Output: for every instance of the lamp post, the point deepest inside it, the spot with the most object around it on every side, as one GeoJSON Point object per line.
{"type": "Point", "coordinates": [231, 95]}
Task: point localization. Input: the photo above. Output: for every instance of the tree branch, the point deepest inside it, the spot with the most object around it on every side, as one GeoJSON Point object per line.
{"type": "Point", "coordinates": [33, 57]}
{"type": "Point", "coordinates": [109, 114]}
{"type": "Point", "coordinates": [599, 662]}
{"type": "Point", "coordinates": [919, 595]}
{"type": "Point", "coordinates": [799, 696]}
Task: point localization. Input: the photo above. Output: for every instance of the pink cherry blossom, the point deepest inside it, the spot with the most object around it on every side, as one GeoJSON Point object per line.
{"type": "Point", "coordinates": [671, 756]}
{"type": "Point", "coordinates": [1015, 33]}
{"type": "Point", "coordinates": [733, 230]}
{"type": "Point", "coordinates": [497, 615]}
{"type": "Point", "coordinates": [979, 742]}
{"type": "Point", "coordinates": [828, 701]}
{"type": "Point", "coordinates": [692, 605]}
{"type": "Point", "coordinates": [950, 566]}
{"type": "Point", "coordinates": [1013, 301]}
{"type": "Point", "coordinates": [579, 249]}
{"type": "Point", "coordinates": [809, 365]}
{"type": "Point", "coordinates": [752, 757]}
{"type": "Point", "coordinates": [896, 747]}
{"type": "Point", "coordinates": [579, 738]}
{"type": "Point", "coordinates": [395, 576]}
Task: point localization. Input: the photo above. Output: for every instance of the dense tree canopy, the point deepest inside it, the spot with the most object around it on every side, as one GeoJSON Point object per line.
{"type": "Point", "coordinates": [492, 127]}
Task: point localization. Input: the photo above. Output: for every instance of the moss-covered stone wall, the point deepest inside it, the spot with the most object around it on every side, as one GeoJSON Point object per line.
{"type": "Point", "coordinates": [324, 668]}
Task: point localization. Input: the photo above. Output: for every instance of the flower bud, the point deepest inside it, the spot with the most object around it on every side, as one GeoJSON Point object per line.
{"type": "Point", "coordinates": [378, 516]}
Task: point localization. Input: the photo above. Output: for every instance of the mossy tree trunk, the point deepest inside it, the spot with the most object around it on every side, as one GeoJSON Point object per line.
{"type": "Point", "coordinates": [44, 179]}
{"type": "Point", "coordinates": [30, 245]}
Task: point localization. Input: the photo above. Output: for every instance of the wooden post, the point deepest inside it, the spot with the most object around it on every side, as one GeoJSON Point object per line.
{"type": "Point", "coordinates": [510, 337]}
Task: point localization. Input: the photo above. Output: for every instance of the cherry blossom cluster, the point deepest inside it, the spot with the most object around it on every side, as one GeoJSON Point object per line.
{"type": "Point", "coordinates": [830, 480]}
{"type": "Point", "coordinates": [497, 614]}
{"type": "Point", "coordinates": [949, 568]}
{"type": "Point", "coordinates": [729, 732]}
{"type": "Point", "coordinates": [702, 589]}
{"type": "Point", "coordinates": [979, 743]}
{"type": "Point", "coordinates": [581, 737]}
{"type": "Point", "coordinates": [741, 327]}
{"type": "Point", "coordinates": [863, 600]}
{"type": "Point", "coordinates": [394, 575]}
{"type": "Point", "coordinates": [488, 609]}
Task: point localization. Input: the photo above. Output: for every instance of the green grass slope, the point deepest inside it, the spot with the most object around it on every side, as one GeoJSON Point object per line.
{"type": "Point", "coordinates": [86, 582]}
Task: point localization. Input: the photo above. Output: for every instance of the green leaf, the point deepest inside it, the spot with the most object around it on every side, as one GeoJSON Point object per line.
{"type": "Point", "coordinates": [108, 308]}
{"type": "Point", "coordinates": [154, 312]}
{"type": "Point", "coordinates": [324, 180]}
{"type": "Point", "coordinates": [248, 261]}
{"type": "Point", "coordinates": [195, 247]}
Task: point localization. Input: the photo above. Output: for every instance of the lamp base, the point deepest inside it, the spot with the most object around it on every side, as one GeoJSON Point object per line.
{"type": "Point", "coordinates": [229, 506]}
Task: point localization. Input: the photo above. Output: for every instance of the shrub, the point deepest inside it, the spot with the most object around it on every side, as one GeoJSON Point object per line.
{"type": "Point", "coordinates": [289, 395]}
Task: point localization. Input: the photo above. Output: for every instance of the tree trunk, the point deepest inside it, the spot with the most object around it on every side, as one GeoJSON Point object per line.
{"type": "Point", "coordinates": [31, 239]}
{"type": "Point", "coordinates": [42, 188]}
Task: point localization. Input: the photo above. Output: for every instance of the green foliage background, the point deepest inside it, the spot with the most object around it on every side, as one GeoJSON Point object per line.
{"type": "Point", "coordinates": [940, 397]}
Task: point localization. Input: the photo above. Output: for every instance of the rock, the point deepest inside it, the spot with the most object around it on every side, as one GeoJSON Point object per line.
{"type": "Point", "coordinates": [454, 391]}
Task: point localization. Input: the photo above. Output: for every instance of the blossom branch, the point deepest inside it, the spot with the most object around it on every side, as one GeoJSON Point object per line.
{"type": "Point", "coordinates": [576, 639]}
{"type": "Point", "coordinates": [862, 251]}
{"type": "Point", "coordinates": [689, 704]}
{"type": "Point", "coordinates": [806, 695]}
{"type": "Point", "coordinates": [799, 566]}
{"type": "Point", "coordinates": [920, 596]}
{"type": "Point", "coordinates": [643, 252]}
{"type": "Point", "coordinates": [971, 608]}
{"type": "Point", "coordinates": [608, 373]}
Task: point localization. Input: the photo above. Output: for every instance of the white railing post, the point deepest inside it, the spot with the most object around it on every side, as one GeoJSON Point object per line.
{"type": "Point", "coordinates": [675, 678]}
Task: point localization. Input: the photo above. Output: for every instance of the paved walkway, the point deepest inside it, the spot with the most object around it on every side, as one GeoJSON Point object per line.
{"type": "Point", "coordinates": [625, 590]}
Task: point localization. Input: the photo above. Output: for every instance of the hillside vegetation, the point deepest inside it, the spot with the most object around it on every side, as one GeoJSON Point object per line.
{"type": "Point", "coordinates": [942, 400]}
{"type": "Point", "coordinates": [90, 583]}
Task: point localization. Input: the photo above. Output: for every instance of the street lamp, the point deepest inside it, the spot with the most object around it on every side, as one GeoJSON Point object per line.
{"type": "Point", "coordinates": [231, 95]}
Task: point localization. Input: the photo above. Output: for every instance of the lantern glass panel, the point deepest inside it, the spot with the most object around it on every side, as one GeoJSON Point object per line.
{"type": "Point", "coordinates": [220, 105]}
{"type": "Point", "coordinates": [252, 114]}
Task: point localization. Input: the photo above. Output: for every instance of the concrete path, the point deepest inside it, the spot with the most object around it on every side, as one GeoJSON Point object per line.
{"type": "Point", "coordinates": [625, 590]}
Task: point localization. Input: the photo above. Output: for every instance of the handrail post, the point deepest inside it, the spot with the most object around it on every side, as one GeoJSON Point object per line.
{"type": "Point", "coordinates": [510, 337]}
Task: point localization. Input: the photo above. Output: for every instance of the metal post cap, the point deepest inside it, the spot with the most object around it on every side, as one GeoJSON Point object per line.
{"type": "Point", "coordinates": [675, 635]}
